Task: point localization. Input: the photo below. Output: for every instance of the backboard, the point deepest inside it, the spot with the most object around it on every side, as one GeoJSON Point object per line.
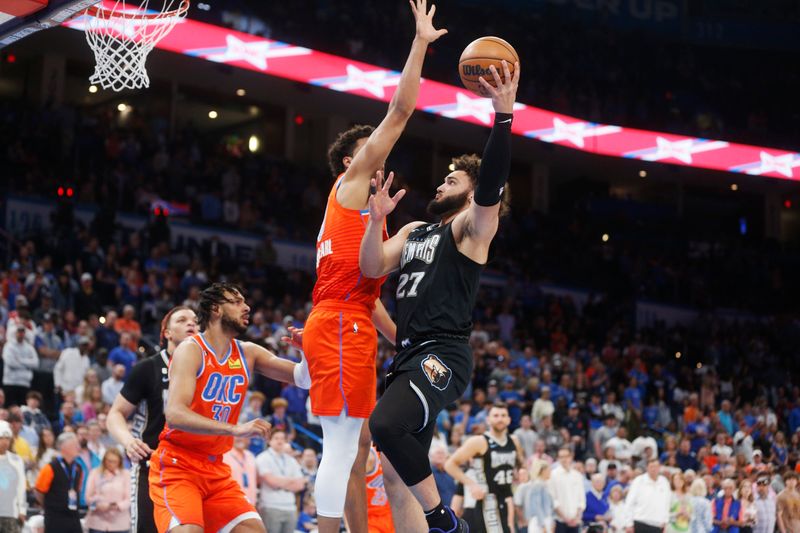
{"type": "Point", "coordinates": [20, 18]}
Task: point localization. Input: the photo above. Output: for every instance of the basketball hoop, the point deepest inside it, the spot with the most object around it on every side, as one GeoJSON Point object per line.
{"type": "Point", "coordinates": [122, 34]}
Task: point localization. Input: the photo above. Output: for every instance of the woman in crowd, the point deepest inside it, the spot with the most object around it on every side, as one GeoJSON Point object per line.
{"type": "Point", "coordinates": [702, 521]}
{"type": "Point", "coordinates": [92, 402]}
{"type": "Point", "coordinates": [108, 496]}
{"type": "Point", "coordinates": [44, 453]}
{"type": "Point", "coordinates": [91, 378]}
{"type": "Point", "coordinates": [748, 514]}
{"type": "Point", "coordinates": [680, 511]}
{"type": "Point", "coordinates": [538, 501]}
{"type": "Point", "coordinates": [620, 515]}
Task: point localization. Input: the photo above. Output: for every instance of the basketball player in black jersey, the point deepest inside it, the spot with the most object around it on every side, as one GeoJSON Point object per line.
{"type": "Point", "coordinates": [493, 458]}
{"type": "Point", "coordinates": [144, 396]}
{"type": "Point", "coordinates": [440, 266]}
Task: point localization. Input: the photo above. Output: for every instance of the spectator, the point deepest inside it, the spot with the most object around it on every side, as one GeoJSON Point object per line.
{"type": "Point", "coordinates": [788, 505]}
{"type": "Point", "coordinates": [243, 467]}
{"type": "Point", "coordinates": [533, 499]}
{"type": "Point", "coordinates": [87, 301]}
{"type": "Point", "coordinates": [113, 384]}
{"type": "Point", "coordinates": [281, 478]}
{"type": "Point", "coordinates": [597, 508]}
{"type": "Point", "coordinates": [92, 403]}
{"type": "Point", "coordinates": [72, 366]}
{"type": "Point", "coordinates": [307, 519]}
{"type": "Point", "coordinates": [45, 453]}
{"type": "Point", "coordinates": [765, 505]}
{"type": "Point", "coordinates": [749, 513]}
{"type": "Point", "coordinates": [620, 515]}
{"type": "Point", "coordinates": [702, 520]}
{"type": "Point", "coordinates": [68, 415]}
{"type": "Point", "coordinates": [58, 487]}
{"type": "Point", "coordinates": [550, 436]}
{"type": "Point", "coordinates": [19, 445]}
{"type": "Point", "coordinates": [569, 498]}
{"type": "Point", "coordinates": [623, 449]}
{"type": "Point", "coordinates": [122, 354]}
{"type": "Point", "coordinates": [526, 435]}
{"type": "Point", "coordinates": [32, 415]}
{"type": "Point", "coordinates": [686, 459]}
{"type": "Point", "coordinates": [106, 334]}
{"type": "Point", "coordinates": [13, 502]}
{"type": "Point", "coordinates": [605, 433]}
{"type": "Point", "coordinates": [649, 500]}
{"type": "Point", "coordinates": [680, 511]}
{"type": "Point", "coordinates": [108, 495]}
{"type": "Point", "coordinates": [91, 378]}
{"type": "Point", "coordinates": [542, 407]}
{"type": "Point", "coordinates": [127, 324]}
{"type": "Point", "coordinates": [94, 436]}
{"type": "Point", "coordinates": [726, 509]}
{"type": "Point", "coordinates": [48, 344]}
{"type": "Point", "coordinates": [19, 362]}
{"type": "Point", "coordinates": [444, 483]}
{"type": "Point", "coordinates": [280, 420]}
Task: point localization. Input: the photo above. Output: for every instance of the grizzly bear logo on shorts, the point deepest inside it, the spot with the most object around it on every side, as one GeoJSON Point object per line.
{"type": "Point", "coordinates": [436, 371]}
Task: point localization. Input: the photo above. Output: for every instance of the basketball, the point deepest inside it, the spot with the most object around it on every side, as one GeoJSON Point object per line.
{"type": "Point", "coordinates": [478, 56]}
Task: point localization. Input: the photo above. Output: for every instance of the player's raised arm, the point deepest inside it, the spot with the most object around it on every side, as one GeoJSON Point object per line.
{"type": "Point", "coordinates": [378, 257]}
{"type": "Point", "coordinates": [479, 223]}
{"type": "Point", "coordinates": [272, 366]}
{"type": "Point", "coordinates": [354, 190]}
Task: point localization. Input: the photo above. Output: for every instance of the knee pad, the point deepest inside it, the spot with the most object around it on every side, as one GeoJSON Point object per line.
{"type": "Point", "coordinates": [339, 449]}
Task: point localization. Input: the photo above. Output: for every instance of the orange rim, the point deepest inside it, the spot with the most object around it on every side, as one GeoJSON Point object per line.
{"type": "Point", "coordinates": [98, 11]}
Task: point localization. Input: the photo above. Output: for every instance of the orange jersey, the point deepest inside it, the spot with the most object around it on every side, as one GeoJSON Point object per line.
{"type": "Point", "coordinates": [219, 394]}
{"type": "Point", "coordinates": [338, 245]}
{"type": "Point", "coordinates": [379, 514]}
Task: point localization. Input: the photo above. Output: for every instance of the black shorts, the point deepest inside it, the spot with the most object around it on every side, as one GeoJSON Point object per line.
{"type": "Point", "coordinates": [142, 519]}
{"type": "Point", "coordinates": [438, 371]}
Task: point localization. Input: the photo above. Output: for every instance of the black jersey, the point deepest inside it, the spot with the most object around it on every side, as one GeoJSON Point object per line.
{"type": "Point", "coordinates": [437, 288]}
{"type": "Point", "coordinates": [146, 387]}
{"type": "Point", "coordinates": [494, 470]}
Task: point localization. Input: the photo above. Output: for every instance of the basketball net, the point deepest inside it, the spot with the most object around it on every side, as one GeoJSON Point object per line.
{"type": "Point", "coordinates": [122, 34]}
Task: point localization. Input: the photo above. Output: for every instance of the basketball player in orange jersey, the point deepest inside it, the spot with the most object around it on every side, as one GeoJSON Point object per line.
{"type": "Point", "coordinates": [191, 487]}
{"type": "Point", "coordinates": [379, 513]}
{"type": "Point", "coordinates": [340, 338]}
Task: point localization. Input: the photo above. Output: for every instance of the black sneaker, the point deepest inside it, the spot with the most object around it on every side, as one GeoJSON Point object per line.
{"type": "Point", "coordinates": [460, 527]}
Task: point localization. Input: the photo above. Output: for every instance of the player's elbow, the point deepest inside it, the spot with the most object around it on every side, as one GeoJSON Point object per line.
{"type": "Point", "coordinates": [400, 110]}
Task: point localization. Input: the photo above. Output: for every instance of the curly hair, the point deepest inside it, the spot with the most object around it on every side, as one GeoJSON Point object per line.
{"type": "Point", "coordinates": [344, 145]}
{"type": "Point", "coordinates": [471, 164]}
{"type": "Point", "coordinates": [214, 296]}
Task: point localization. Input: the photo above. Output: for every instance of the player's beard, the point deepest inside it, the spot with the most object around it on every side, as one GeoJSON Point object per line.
{"type": "Point", "coordinates": [447, 205]}
{"type": "Point", "coordinates": [232, 324]}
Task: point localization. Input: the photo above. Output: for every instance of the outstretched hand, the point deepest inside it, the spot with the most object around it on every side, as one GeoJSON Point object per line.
{"type": "Point", "coordinates": [381, 203]}
{"type": "Point", "coordinates": [503, 94]}
{"type": "Point", "coordinates": [424, 18]}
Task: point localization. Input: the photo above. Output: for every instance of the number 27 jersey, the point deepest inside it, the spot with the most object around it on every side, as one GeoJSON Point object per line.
{"type": "Point", "coordinates": [437, 287]}
{"type": "Point", "coordinates": [219, 395]}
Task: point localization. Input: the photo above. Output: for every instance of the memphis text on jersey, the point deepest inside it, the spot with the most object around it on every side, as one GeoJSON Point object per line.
{"type": "Point", "coordinates": [424, 250]}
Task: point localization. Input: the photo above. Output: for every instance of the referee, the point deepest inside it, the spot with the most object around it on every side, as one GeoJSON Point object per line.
{"type": "Point", "coordinates": [144, 396]}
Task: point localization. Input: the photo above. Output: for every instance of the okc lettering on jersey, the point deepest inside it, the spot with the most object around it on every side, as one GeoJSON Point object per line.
{"type": "Point", "coordinates": [222, 389]}
{"type": "Point", "coordinates": [422, 250]}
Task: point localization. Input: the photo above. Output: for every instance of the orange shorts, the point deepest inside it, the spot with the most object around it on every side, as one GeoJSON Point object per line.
{"type": "Point", "coordinates": [189, 488]}
{"type": "Point", "coordinates": [341, 344]}
{"type": "Point", "coordinates": [380, 522]}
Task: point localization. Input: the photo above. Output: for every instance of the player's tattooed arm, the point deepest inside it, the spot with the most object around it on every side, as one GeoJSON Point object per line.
{"type": "Point", "coordinates": [354, 189]}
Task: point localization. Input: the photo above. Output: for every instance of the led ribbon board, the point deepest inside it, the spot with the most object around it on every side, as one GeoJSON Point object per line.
{"type": "Point", "coordinates": [243, 50]}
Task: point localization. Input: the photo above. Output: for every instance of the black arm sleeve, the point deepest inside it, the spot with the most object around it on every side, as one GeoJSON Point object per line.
{"type": "Point", "coordinates": [495, 163]}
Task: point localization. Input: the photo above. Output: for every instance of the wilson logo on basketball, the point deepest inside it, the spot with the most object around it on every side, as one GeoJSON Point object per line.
{"type": "Point", "coordinates": [475, 70]}
{"type": "Point", "coordinates": [436, 371]}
